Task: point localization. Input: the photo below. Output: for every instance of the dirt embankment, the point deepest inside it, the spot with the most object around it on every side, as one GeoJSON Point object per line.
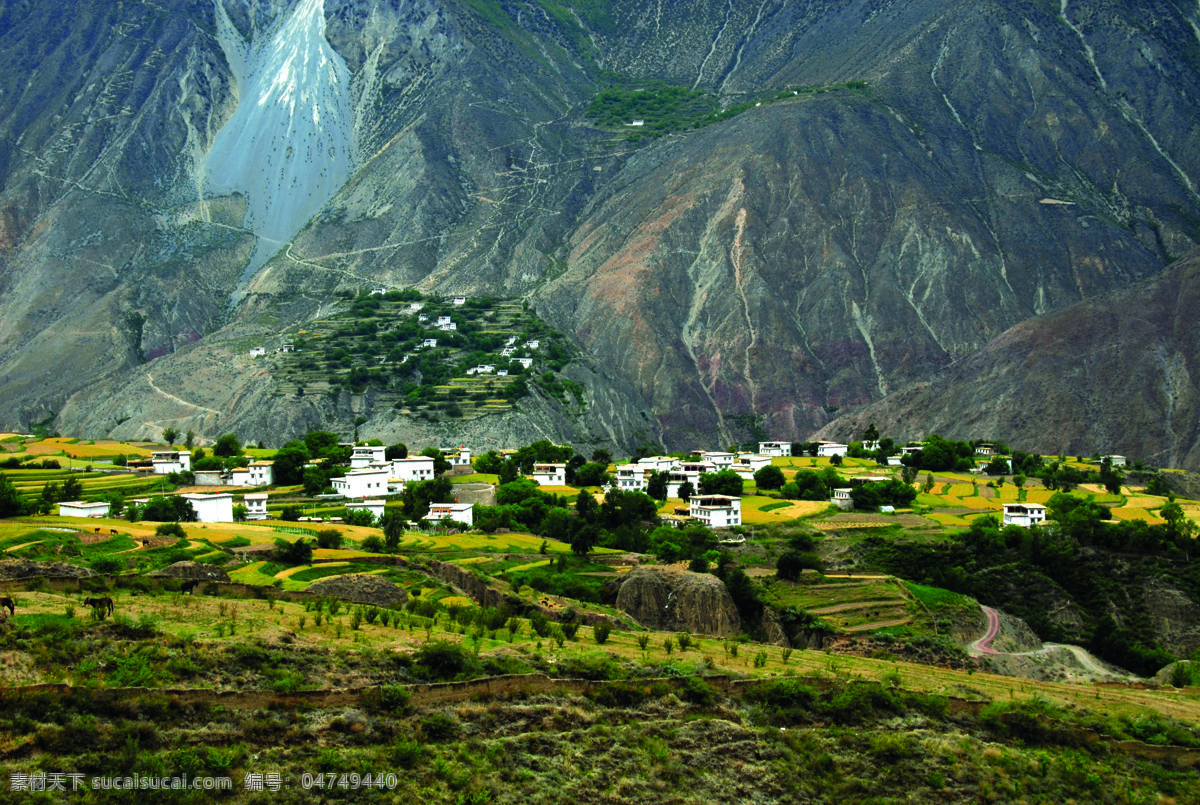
{"type": "Point", "coordinates": [667, 599]}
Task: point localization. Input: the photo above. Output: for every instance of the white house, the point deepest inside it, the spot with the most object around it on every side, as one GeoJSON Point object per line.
{"type": "Point", "coordinates": [525, 362]}
{"type": "Point", "coordinates": [458, 300]}
{"type": "Point", "coordinates": [841, 498]}
{"type": "Point", "coordinates": [462, 458]}
{"type": "Point", "coordinates": [775, 449]}
{"type": "Point", "coordinates": [678, 477]}
{"type": "Point", "coordinates": [429, 342]}
{"type": "Point", "coordinates": [985, 450]}
{"type": "Point", "coordinates": [532, 344]}
{"type": "Point", "coordinates": [375, 507]}
{"type": "Point", "coordinates": [754, 462]}
{"type": "Point", "coordinates": [413, 468]}
{"type": "Point", "coordinates": [215, 508]}
{"type": "Point", "coordinates": [378, 291]}
{"type": "Point", "coordinates": [78, 508]}
{"type": "Point", "coordinates": [256, 505]}
{"type": "Point", "coordinates": [460, 512]}
{"type": "Point", "coordinates": [830, 449]}
{"type": "Point", "coordinates": [1024, 514]}
{"type": "Point", "coordinates": [422, 317]}
{"type": "Point", "coordinates": [660, 463]}
{"type": "Point", "coordinates": [361, 457]}
{"type": "Point", "coordinates": [1117, 461]}
{"type": "Point", "coordinates": [262, 473]}
{"type": "Point", "coordinates": [168, 461]}
{"type": "Point", "coordinates": [894, 461]}
{"type": "Point", "coordinates": [550, 474]}
{"type": "Point", "coordinates": [443, 320]}
{"type": "Point", "coordinates": [415, 307]}
{"type": "Point", "coordinates": [633, 477]}
{"type": "Point", "coordinates": [722, 460]}
{"type": "Point", "coordinates": [239, 476]}
{"type": "Point", "coordinates": [636, 122]}
{"type": "Point", "coordinates": [258, 352]}
{"type": "Point", "coordinates": [716, 511]}
{"type": "Point", "coordinates": [362, 483]}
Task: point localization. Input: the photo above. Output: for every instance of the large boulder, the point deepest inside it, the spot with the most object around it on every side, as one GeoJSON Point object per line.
{"type": "Point", "coordinates": [193, 571]}
{"type": "Point", "coordinates": [673, 600]}
{"type": "Point", "coordinates": [360, 589]}
{"type": "Point", "coordinates": [25, 569]}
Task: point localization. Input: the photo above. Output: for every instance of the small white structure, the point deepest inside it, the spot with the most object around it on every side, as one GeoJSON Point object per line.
{"type": "Point", "coordinates": [678, 477]}
{"type": "Point", "coordinates": [633, 477]}
{"type": "Point", "coordinates": [775, 449]}
{"type": "Point", "coordinates": [429, 342]}
{"type": "Point", "coordinates": [660, 463]}
{"type": "Point", "coordinates": [262, 473]}
{"type": "Point", "coordinates": [375, 507]}
{"type": "Point", "coordinates": [361, 483]}
{"type": "Point", "coordinates": [256, 505]}
{"type": "Point", "coordinates": [361, 457]}
{"type": "Point", "coordinates": [458, 300]}
{"type": "Point", "coordinates": [752, 461]}
{"type": "Point", "coordinates": [985, 450]}
{"type": "Point", "coordinates": [716, 511]}
{"type": "Point", "coordinates": [168, 461]}
{"type": "Point", "coordinates": [722, 460]}
{"type": "Point", "coordinates": [415, 307]}
{"type": "Point", "coordinates": [239, 476]}
{"type": "Point", "coordinates": [422, 317]}
{"type": "Point", "coordinates": [461, 512]}
{"type": "Point", "coordinates": [1117, 461]}
{"type": "Point", "coordinates": [443, 320]}
{"type": "Point", "coordinates": [288, 348]}
{"type": "Point", "coordinates": [894, 461]}
{"type": "Point", "coordinates": [77, 508]}
{"type": "Point", "coordinates": [378, 291]}
{"type": "Point", "coordinates": [413, 468]}
{"type": "Point", "coordinates": [210, 478]}
{"type": "Point", "coordinates": [462, 458]}
{"type": "Point", "coordinates": [501, 373]}
{"type": "Point", "coordinates": [1024, 514]}
{"type": "Point", "coordinates": [841, 499]}
{"type": "Point", "coordinates": [636, 122]}
{"type": "Point", "coordinates": [448, 327]}
{"type": "Point", "coordinates": [830, 449]}
{"type": "Point", "coordinates": [215, 508]}
{"type": "Point", "coordinates": [512, 339]}
{"type": "Point", "coordinates": [532, 344]}
{"type": "Point", "coordinates": [525, 362]}
{"type": "Point", "coordinates": [550, 474]}
{"type": "Point", "coordinates": [258, 352]}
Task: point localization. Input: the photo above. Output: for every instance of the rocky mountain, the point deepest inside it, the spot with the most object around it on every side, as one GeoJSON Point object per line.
{"type": "Point", "coordinates": [905, 181]}
{"type": "Point", "coordinates": [1112, 374]}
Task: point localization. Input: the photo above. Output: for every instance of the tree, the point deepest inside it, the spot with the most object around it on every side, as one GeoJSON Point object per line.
{"type": "Point", "coordinates": [319, 441]}
{"type": "Point", "coordinates": [656, 485]}
{"type": "Point", "coordinates": [997, 466]}
{"type": "Point", "coordinates": [835, 460]}
{"type": "Point", "coordinates": [290, 513]}
{"type": "Point", "coordinates": [1174, 515]}
{"type": "Point", "coordinates": [72, 489]}
{"type": "Point", "coordinates": [440, 464]}
{"type": "Point", "coordinates": [239, 513]}
{"type": "Point", "coordinates": [686, 490]}
{"type": "Point", "coordinates": [11, 502]}
{"type": "Point", "coordinates": [725, 482]}
{"type": "Point", "coordinates": [294, 553]}
{"type": "Point", "coordinates": [395, 451]}
{"type": "Point", "coordinates": [417, 497]}
{"type": "Point", "coordinates": [189, 440]}
{"type": "Point", "coordinates": [769, 477]}
{"type": "Point", "coordinates": [601, 456]}
{"type": "Point", "coordinates": [393, 525]}
{"type": "Point", "coordinates": [51, 494]}
{"type": "Point", "coordinates": [587, 508]}
{"type": "Point", "coordinates": [169, 509]}
{"type": "Point", "coordinates": [791, 563]}
{"type": "Point", "coordinates": [289, 464]}
{"type": "Point", "coordinates": [169, 435]}
{"type": "Point", "coordinates": [1018, 481]}
{"type": "Point", "coordinates": [359, 517]}
{"type": "Point", "coordinates": [593, 474]}
{"type": "Point", "coordinates": [870, 434]}
{"type": "Point", "coordinates": [909, 474]}
{"type": "Point", "coordinates": [227, 446]}
{"type": "Point", "coordinates": [585, 539]}
{"type": "Point", "coordinates": [329, 538]}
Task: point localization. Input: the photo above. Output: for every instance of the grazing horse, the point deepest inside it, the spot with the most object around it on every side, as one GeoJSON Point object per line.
{"type": "Point", "coordinates": [188, 587]}
{"type": "Point", "coordinates": [104, 604]}
{"type": "Point", "coordinates": [8, 603]}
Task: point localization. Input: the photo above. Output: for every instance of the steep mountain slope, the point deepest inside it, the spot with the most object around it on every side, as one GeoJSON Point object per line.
{"type": "Point", "coordinates": [1115, 374]}
{"type": "Point", "coordinates": [971, 165]}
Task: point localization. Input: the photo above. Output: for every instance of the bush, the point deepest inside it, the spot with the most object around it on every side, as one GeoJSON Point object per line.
{"type": "Point", "coordinates": [170, 530]}
{"type": "Point", "coordinates": [329, 538]}
{"type": "Point", "coordinates": [442, 660]}
{"type": "Point", "coordinates": [438, 728]}
{"type": "Point", "coordinates": [290, 513]}
{"type": "Point", "coordinates": [696, 691]}
{"type": "Point", "coordinates": [107, 565]}
{"type": "Point", "coordinates": [791, 563]}
{"type": "Point", "coordinates": [373, 544]}
{"type": "Point", "coordinates": [294, 553]}
{"type": "Point", "coordinates": [395, 697]}
{"type": "Point", "coordinates": [601, 631]}
{"type": "Point", "coordinates": [406, 754]}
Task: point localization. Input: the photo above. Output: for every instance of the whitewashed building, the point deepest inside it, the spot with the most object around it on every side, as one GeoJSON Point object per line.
{"type": "Point", "coordinates": [660, 463]}
{"type": "Point", "coordinates": [985, 450]}
{"type": "Point", "coordinates": [256, 505]}
{"type": "Point", "coordinates": [362, 483]}
{"type": "Point", "coordinates": [1117, 461]}
{"type": "Point", "coordinates": [210, 478]}
{"type": "Point", "coordinates": [361, 457]}
{"type": "Point", "coordinates": [77, 508]}
{"type": "Point", "coordinates": [550, 474]}
{"type": "Point", "coordinates": [775, 449]}
{"type": "Point", "coordinates": [716, 511]}
{"type": "Point", "coordinates": [830, 449]}
{"type": "Point", "coordinates": [258, 352]}
{"type": "Point", "coordinates": [413, 468]}
{"type": "Point", "coordinates": [721, 460]}
{"type": "Point", "coordinates": [633, 477]}
{"type": "Point", "coordinates": [678, 477]}
{"type": "Point", "coordinates": [841, 499]}
{"type": "Point", "coordinates": [239, 476]}
{"type": "Point", "coordinates": [1024, 514]}
{"type": "Point", "coordinates": [215, 508]}
{"type": "Point", "coordinates": [429, 343]}
{"type": "Point", "coordinates": [168, 461]}
{"type": "Point", "coordinates": [752, 461]}
{"type": "Point", "coordinates": [461, 512]}
{"type": "Point", "coordinates": [262, 473]}
{"type": "Point", "coordinates": [458, 300]}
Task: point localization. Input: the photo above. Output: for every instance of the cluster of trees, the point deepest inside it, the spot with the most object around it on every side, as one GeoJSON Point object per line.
{"type": "Point", "coordinates": [871, 496]}
{"type": "Point", "coordinates": [941, 455]}
{"type": "Point", "coordinates": [579, 471]}
{"type": "Point", "coordinates": [813, 484]}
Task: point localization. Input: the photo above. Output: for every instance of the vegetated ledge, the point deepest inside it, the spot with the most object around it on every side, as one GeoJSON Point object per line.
{"type": "Point", "coordinates": [508, 686]}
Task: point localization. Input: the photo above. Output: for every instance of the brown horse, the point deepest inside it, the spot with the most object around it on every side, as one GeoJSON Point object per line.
{"type": "Point", "coordinates": [8, 603]}
{"type": "Point", "coordinates": [105, 605]}
{"type": "Point", "coordinates": [189, 587]}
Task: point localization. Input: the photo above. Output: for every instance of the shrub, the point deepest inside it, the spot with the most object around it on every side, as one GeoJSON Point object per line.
{"type": "Point", "coordinates": [290, 513]}
{"type": "Point", "coordinates": [438, 728]}
{"type": "Point", "coordinates": [170, 530]}
{"type": "Point", "coordinates": [685, 641]}
{"type": "Point", "coordinates": [406, 754]}
{"type": "Point", "coordinates": [107, 565]}
{"type": "Point", "coordinates": [601, 632]}
{"type": "Point", "coordinates": [696, 691]}
{"type": "Point", "coordinates": [395, 697]}
{"type": "Point", "coordinates": [329, 538]}
{"type": "Point", "coordinates": [373, 544]}
{"type": "Point", "coordinates": [443, 660]}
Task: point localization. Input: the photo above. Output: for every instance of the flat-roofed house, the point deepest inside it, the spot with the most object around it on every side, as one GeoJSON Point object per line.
{"type": "Point", "coordinates": [262, 473]}
{"type": "Point", "coordinates": [633, 477]}
{"type": "Point", "coordinates": [413, 468]}
{"type": "Point", "coordinates": [830, 449]}
{"type": "Point", "coordinates": [1024, 514]}
{"type": "Point", "coordinates": [214, 508]}
{"type": "Point", "coordinates": [362, 483]}
{"type": "Point", "coordinates": [460, 512]}
{"type": "Point", "coordinates": [775, 449]}
{"type": "Point", "coordinates": [716, 511]}
{"type": "Point", "coordinates": [77, 508]}
{"type": "Point", "coordinates": [166, 462]}
{"type": "Point", "coordinates": [367, 455]}
{"type": "Point", "coordinates": [256, 505]}
{"type": "Point", "coordinates": [550, 474]}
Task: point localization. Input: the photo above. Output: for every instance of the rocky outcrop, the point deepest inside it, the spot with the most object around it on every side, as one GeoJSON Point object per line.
{"type": "Point", "coordinates": [25, 569]}
{"type": "Point", "coordinates": [673, 600]}
{"type": "Point", "coordinates": [193, 571]}
{"type": "Point", "coordinates": [773, 627]}
{"type": "Point", "coordinates": [1176, 618]}
{"type": "Point", "coordinates": [360, 589]}
{"type": "Point", "coordinates": [475, 588]}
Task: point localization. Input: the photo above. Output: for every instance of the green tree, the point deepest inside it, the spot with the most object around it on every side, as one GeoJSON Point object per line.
{"type": "Point", "coordinates": [329, 538]}
{"type": "Point", "coordinates": [440, 464]}
{"type": "Point", "coordinates": [395, 451]}
{"type": "Point", "coordinates": [289, 464]}
{"type": "Point", "coordinates": [656, 485]}
{"type": "Point", "coordinates": [169, 435]}
{"type": "Point", "coordinates": [587, 508]}
{"type": "Point", "coordinates": [601, 456]}
{"type": "Point", "coordinates": [227, 446]}
{"type": "Point", "coordinates": [294, 553]}
{"type": "Point", "coordinates": [393, 525]}
{"type": "Point", "coordinates": [239, 513]}
{"type": "Point", "coordinates": [72, 489]}
{"type": "Point", "coordinates": [189, 440]}
{"type": "Point", "coordinates": [11, 502]}
{"type": "Point", "coordinates": [686, 491]}
{"type": "Point", "coordinates": [725, 482]}
{"type": "Point", "coordinates": [871, 434]}
{"type": "Point", "coordinates": [585, 539]}
{"type": "Point", "coordinates": [769, 477]}
{"type": "Point", "coordinates": [51, 494]}
{"type": "Point", "coordinates": [319, 442]}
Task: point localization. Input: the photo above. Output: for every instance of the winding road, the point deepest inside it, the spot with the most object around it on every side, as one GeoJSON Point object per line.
{"type": "Point", "coordinates": [984, 646]}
